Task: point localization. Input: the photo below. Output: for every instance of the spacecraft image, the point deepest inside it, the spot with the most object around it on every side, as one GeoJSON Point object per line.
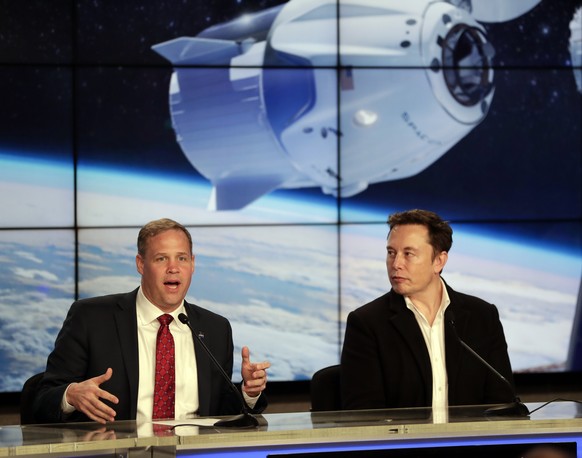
{"type": "Point", "coordinates": [294, 98]}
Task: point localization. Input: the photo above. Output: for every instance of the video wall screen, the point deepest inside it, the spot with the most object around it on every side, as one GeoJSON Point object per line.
{"type": "Point", "coordinates": [283, 133]}
{"type": "Point", "coordinates": [525, 269]}
{"type": "Point", "coordinates": [277, 285]}
{"type": "Point", "coordinates": [38, 284]}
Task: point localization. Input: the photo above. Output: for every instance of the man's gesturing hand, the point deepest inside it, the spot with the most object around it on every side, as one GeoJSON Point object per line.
{"type": "Point", "coordinates": [87, 397]}
{"type": "Point", "coordinates": [254, 374]}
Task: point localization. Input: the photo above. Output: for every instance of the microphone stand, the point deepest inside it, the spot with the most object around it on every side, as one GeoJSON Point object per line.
{"type": "Point", "coordinates": [244, 419]}
{"type": "Point", "coordinates": [513, 409]}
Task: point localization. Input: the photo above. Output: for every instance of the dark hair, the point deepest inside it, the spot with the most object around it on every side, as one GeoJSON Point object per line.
{"type": "Point", "coordinates": [156, 227]}
{"type": "Point", "coordinates": [440, 234]}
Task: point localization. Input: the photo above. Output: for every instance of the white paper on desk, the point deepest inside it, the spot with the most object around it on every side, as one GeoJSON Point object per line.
{"type": "Point", "coordinates": [189, 422]}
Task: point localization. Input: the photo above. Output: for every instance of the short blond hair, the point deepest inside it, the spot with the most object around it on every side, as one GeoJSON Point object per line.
{"type": "Point", "coordinates": [156, 227]}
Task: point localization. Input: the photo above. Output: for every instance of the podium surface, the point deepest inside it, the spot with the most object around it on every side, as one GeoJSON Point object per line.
{"type": "Point", "coordinates": [418, 432]}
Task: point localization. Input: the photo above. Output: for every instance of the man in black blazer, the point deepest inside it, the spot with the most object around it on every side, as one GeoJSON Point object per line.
{"type": "Point", "coordinates": [403, 349]}
{"type": "Point", "coordinates": [102, 367]}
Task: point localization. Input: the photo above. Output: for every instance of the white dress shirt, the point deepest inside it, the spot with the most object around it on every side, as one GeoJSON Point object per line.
{"type": "Point", "coordinates": [434, 337]}
{"type": "Point", "coordinates": [186, 372]}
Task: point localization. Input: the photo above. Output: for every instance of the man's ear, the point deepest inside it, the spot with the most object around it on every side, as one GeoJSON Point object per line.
{"type": "Point", "coordinates": [139, 264]}
{"type": "Point", "coordinates": [439, 261]}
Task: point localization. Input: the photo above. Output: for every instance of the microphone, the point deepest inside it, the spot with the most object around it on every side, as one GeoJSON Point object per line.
{"type": "Point", "coordinates": [245, 419]}
{"type": "Point", "coordinates": [515, 408]}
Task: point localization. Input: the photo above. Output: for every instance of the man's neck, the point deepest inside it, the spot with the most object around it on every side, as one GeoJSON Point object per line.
{"type": "Point", "coordinates": [429, 301]}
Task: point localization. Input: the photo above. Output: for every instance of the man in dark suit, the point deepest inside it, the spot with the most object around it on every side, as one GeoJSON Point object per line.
{"type": "Point", "coordinates": [394, 349]}
{"type": "Point", "coordinates": [103, 365]}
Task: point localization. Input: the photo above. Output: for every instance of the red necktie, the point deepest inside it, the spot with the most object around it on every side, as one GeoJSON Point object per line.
{"type": "Point", "coordinates": [165, 388]}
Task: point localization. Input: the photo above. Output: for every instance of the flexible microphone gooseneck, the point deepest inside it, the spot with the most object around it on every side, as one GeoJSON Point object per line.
{"type": "Point", "coordinates": [243, 420]}
{"type": "Point", "coordinates": [513, 409]}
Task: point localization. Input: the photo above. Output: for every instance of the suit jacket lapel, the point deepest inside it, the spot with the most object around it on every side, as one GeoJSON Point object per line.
{"type": "Point", "coordinates": [202, 364]}
{"type": "Point", "coordinates": [405, 323]}
{"type": "Point", "coordinates": [452, 345]}
{"type": "Point", "coordinates": [126, 322]}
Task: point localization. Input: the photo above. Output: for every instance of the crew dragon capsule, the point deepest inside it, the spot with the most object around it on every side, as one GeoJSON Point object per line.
{"type": "Point", "coordinates": [287, 98]}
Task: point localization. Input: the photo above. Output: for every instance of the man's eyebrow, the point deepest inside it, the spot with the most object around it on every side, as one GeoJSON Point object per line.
{"type": "Point", "coordinates": [406, 248]}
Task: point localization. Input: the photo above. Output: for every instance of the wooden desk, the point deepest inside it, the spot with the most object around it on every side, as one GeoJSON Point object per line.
{"type": "Point", "coordinates": [372, 431]}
